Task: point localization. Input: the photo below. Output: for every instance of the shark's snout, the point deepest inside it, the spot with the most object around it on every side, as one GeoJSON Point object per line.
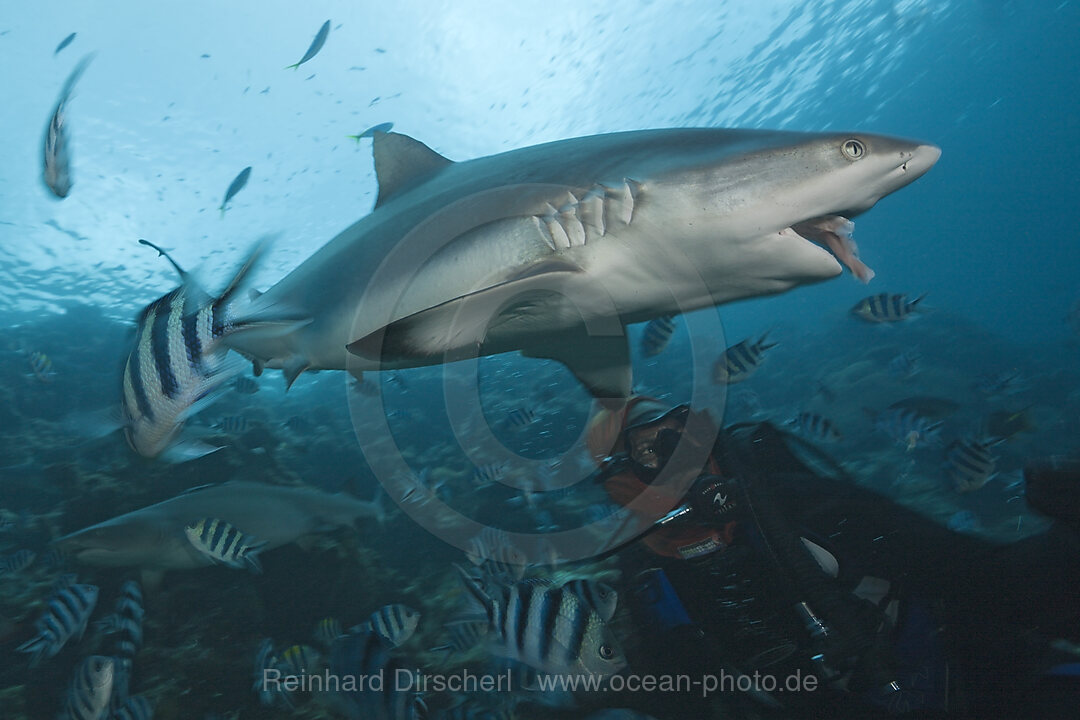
{"type": "Point", "coordinates": [921, 159]}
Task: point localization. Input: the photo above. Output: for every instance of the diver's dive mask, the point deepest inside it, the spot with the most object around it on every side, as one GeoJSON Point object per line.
{"type": "Point", "coordinates": [652, 443]}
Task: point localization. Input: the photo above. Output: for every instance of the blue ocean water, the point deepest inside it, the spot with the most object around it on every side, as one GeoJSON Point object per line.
{"type": "Point", "coordinates": [179, 98]}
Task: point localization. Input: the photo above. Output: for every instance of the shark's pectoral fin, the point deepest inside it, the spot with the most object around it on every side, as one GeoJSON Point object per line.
{"type": "Point", "coordinates": [600, 362]}
{"type": "Point", "coordinates": [454, 330]}
{"type": "Point", "coordinates": [292, 368]}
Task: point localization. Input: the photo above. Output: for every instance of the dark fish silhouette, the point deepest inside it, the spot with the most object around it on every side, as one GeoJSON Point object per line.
{"type": "Point", "coordinates": [235, 186]}
{"type": "Point", "coordinates": [316, 46]}
{"type": "Point", "coordinates": [370, 132]}
{"type": "Point", "coordinates": [64, 43]}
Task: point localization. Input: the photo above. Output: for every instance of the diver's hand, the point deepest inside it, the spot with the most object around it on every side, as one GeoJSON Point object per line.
{"type": "Point", "coordinates": [713, 498]}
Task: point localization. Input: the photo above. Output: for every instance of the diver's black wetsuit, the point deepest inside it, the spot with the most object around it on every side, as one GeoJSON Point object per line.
{"type": "Point", "coordinates": [971, 638]}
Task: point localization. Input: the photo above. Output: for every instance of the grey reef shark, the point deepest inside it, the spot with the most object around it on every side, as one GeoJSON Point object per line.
{"type": "Point", "coordinates": [552, 250]}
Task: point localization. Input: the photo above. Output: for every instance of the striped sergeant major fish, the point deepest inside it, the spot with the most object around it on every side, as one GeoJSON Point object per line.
{"type": "Point", "coordinates": [970, 463]}
{"type": "Point", "coordinates": [907, 427]}
{"type": "Point", "coordinates": [16, 561]}
{"type": "Point", "coordinates": [905, 364]}
{"type": "Point", "coordinates": [42, 365]}
{"type": "Point", "coordinates": [328, 630]}
{"type": "Point", "coordinates": [57, 156]}
{"type": "Point", "coordinates": [66, 614]}
{"type": "Point", "coordinates": [657, 335]}
{"type": "Point", "coordinates": [394, 623]}
{"type": "Point", "coordinates": [232, 424]}
{"type": "Point", "coordinates": [136, 707]}
{"type": "Point", "coordinates": [245, 385]}
{"type": "Point", "coordinates": [225, 544]}
{"type": "Point", "coordinates": [462, 635]}
{"type": "Point", "coordinates": [546, 627]}
{"type": "Point", "coordinates": [497, 557]}
{"type": "Point", "coordinates": [601, 597]}
{"type": "Point", "coordinates": [125, 623]}
{"type": "Point", "coordinates": [178, 364]}
{"type": "Point", "coordinates": [740, 361]}
{"type": "Point", "coordinates": [91, 690]}
{"type": "Point", "coordinates": [266, 661]}
{"type": "Point", "coordinates": [295, 661]}
{"type": "Point", "coordinates": [885, 308]}
{"type": "Point", "coordinates": [520, 417]}
{"type": "Point", "coordinates": [300, 660]}
{"type": "Point", "coordinates": [488, 474]}
{"type": "Point", "coordinates": [367, 654]}
{"type": "Point", "coordinates": [815, 427]}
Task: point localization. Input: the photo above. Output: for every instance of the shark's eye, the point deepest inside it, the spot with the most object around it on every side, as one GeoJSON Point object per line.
{"type": "Point", "coordinates": [854, 149]}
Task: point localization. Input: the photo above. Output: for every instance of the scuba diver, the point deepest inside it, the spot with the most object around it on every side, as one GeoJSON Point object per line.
{"type": "Point", "coordinates": [768, 561]}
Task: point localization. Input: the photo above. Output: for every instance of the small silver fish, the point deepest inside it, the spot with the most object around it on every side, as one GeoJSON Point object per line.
{"type": "Point", "coordinates": [315, 47]}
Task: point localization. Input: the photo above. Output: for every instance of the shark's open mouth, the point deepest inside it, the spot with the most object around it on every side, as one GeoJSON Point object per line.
{"type": "Point", "coordinates": [834, 232]}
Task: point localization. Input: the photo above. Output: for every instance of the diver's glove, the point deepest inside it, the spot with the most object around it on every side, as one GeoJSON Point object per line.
{"type": "Point", "coordinates": [714, 499]}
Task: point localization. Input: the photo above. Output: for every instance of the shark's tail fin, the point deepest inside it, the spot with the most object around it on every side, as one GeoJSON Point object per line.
{"type": "Point", "coordinates": [260, 316]}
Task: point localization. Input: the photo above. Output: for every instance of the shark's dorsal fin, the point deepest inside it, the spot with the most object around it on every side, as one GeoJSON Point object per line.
{"type": "Point", "coordinates": [402, 162]}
